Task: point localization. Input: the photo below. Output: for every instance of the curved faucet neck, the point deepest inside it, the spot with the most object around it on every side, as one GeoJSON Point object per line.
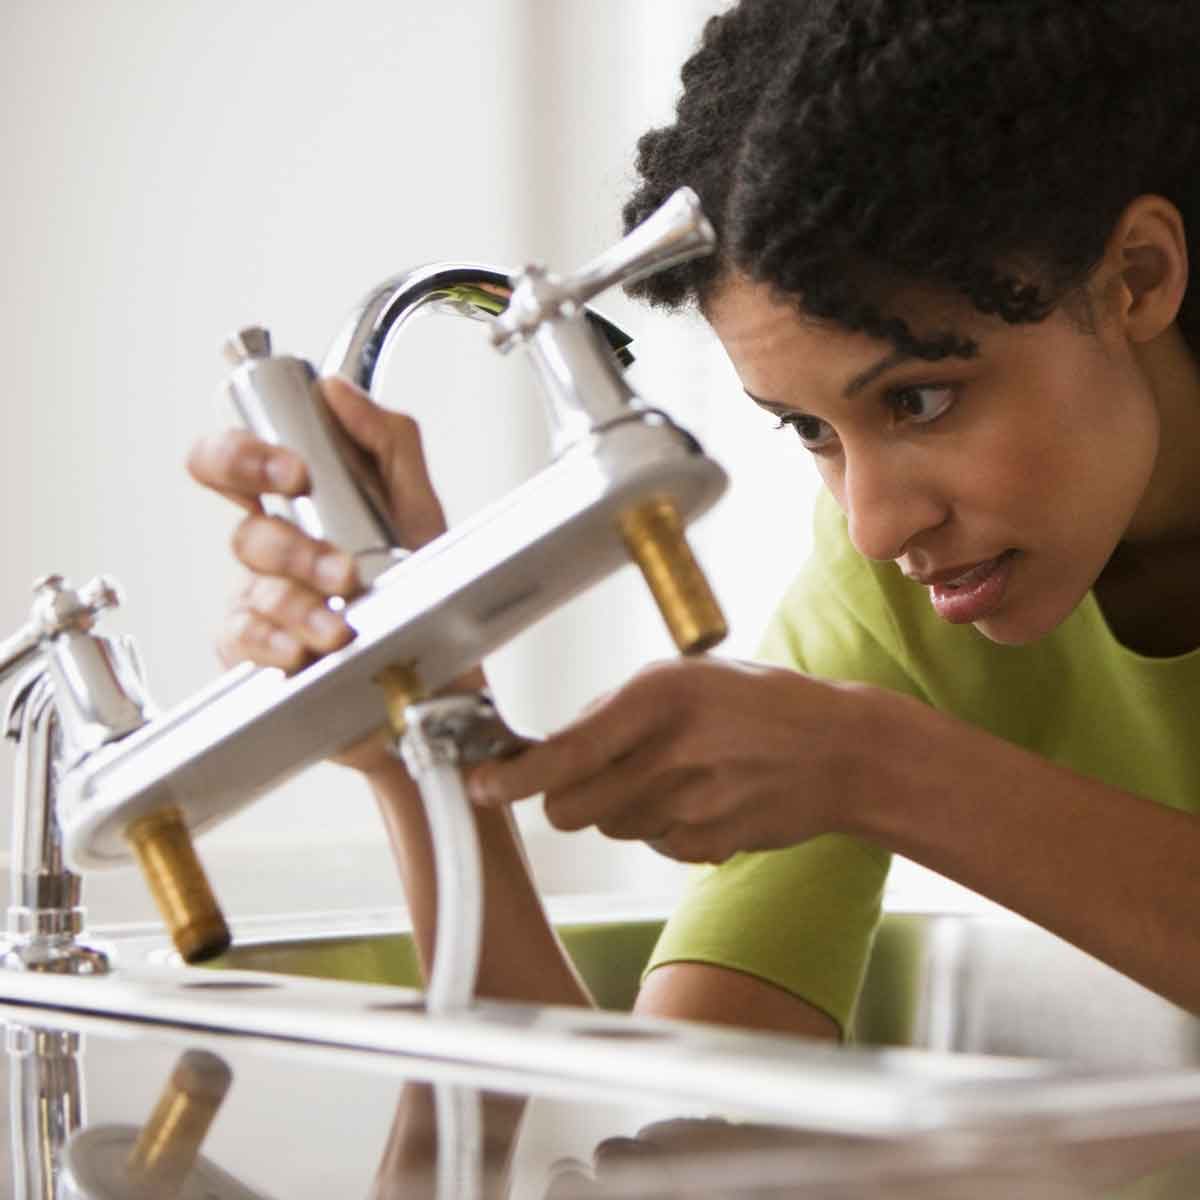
{"type": "Point", "coordinates": [575, 405]}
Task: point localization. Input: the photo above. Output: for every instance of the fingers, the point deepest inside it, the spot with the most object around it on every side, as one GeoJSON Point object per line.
{"type": "Point", "coordinates": [281, 623]}
{"type": "Point", "coordinates": [282, 618]}
{"type": "Point", "coordinates": [242, 468]}
{"type": "Point", "coordinates": [275, 547]}
{"type": "Point", "coordinates": [696, 758]}
{"type": "Point", "coordinates": [359, 415]}
{"type": "Point", "coordinates": [247, 637]}
{"type": "Point", "coordinates": [607, 733]}
{"type": "Point", "coordinates": [657, 700]}
{"type": "Point", "coordinates": [394, 441]}
{"type": "Point", "coordinates": [713, 844]}
{"type": "Point", "coordinates": [680, 813]}
{"type": "Point", "coordinates": [633, 799]}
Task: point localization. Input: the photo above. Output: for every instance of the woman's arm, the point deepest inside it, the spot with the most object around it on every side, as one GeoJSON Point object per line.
{"type": "Point", "coordinates": [1113, 873]}
{"type": "Point", "coordinates": [706, 758]}
{"type": "Point", "coordinates": [692, 991]}
{"type": "Point", "coordinates": [521, 957]}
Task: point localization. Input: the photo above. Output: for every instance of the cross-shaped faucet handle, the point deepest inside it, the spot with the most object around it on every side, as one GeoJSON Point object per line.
{"type": "Point", "coordinates": [57, 607]}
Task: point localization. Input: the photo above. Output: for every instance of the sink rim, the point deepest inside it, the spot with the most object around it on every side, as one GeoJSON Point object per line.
{"type": "Point", "coordinates": [875, 1092]}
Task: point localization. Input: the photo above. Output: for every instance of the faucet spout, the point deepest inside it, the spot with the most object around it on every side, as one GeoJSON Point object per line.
{"type": "Point", "coordinates": [472, 290]}
{"type": "Point", "coordinates": [361, 350]}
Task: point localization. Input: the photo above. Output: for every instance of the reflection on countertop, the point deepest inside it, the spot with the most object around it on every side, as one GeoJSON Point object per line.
{"type": "Point", "coordinates": [114, 1110]}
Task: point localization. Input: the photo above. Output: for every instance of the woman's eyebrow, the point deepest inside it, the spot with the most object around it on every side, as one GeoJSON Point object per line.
{"type": "Point", "coordinates": [767, 404]}
{"type": "Point", "coordinates": [856, 384]}
{"type": "Point", "coordinates": [861, 380]}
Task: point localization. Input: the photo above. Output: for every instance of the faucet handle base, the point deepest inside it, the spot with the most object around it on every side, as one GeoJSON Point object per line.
{"type": "Point", "coordinates": [50, 956]}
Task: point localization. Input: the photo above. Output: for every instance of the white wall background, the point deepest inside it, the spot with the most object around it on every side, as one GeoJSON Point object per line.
{"type": "Point", "coordinates": [174, 171]}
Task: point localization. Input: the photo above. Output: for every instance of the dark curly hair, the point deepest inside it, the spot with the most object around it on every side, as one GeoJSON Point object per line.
{"type": "Point", "coordinates": [984, 147]}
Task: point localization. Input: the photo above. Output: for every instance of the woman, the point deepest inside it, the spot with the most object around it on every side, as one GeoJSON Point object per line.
{"type": "Point", "coordinates": [954, 262]}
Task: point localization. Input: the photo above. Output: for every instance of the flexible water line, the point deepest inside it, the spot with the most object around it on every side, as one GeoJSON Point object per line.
{"type": "Point", "coordinates": [459, 869]}
{"type": "Point", "coordinates": [440, 737]}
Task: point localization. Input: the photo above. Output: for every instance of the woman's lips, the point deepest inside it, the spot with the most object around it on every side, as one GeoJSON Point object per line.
{"type": "Point", "coordinates": [976, 593]}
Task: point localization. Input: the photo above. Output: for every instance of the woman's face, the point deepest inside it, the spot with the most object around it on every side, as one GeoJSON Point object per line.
{"type": "Point", "coordinates": [1002, 482]}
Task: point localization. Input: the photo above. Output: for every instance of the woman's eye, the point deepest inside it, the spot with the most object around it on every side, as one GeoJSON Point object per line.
{"type": "Point", "coordinates": [814, 433]}
{"type": "Point", "coordinates": [921, 405]}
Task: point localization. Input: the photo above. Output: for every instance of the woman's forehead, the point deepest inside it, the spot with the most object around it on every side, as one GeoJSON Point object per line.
{"type": "Point", "coordinates": [765, 334]}
{"type": "Point", "coordinates": [757, 327]}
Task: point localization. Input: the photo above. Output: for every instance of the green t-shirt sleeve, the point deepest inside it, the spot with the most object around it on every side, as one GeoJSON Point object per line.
{"type": "Point", "coordinates": [803, 918]}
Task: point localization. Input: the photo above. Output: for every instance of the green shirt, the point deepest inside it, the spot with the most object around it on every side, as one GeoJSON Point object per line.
{"type": "Point", "coordinates": [804, 918]}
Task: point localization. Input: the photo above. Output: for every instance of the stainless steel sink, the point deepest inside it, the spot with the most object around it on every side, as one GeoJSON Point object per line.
{"type": "Point", "coordinates": [1000, 985]}
{"type": "Point", "coordinates": [939, 985]}
{"type": "Point", "coordinates": [957, 982]}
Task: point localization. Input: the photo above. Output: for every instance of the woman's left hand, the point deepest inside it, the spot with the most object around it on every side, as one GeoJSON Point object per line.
{"type": "Point", "coordinates": [702, 758]}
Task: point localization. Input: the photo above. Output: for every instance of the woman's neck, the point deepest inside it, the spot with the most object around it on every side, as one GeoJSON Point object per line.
{"type": "Point", "coordinates": [1170, 509]}
{"type": "Point", "coordinates": [1150, 590]}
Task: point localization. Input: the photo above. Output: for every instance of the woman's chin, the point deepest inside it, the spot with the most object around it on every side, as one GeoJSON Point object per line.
{"type": "Point", "coordinates": [1006, 633]}
{"type": "Point", "coordinates": [1019, 625]}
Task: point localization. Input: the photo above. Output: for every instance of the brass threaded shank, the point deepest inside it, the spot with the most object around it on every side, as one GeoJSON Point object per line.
{"type": "Point", "coordinates": [401, 687]}
{"type": "Point", "coordinates": [654, 536]}
{"type": "Point", "coordinates": [164, 850]}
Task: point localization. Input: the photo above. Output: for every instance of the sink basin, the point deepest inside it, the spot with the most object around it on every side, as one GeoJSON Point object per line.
{"type": "Point", "coordinates": [957, 982]}
{"type": "Point", "coordinates": [609, 955]}
{"type": "Point", "coordinates": [960, 1024]}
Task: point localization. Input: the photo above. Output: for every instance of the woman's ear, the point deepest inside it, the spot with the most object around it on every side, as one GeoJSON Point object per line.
{"type": "Point", "coordinates": [1148, 256]}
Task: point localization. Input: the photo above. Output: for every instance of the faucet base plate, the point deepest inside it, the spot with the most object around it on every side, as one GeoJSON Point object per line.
{"type": "Point", "coordinates": [53, 958]}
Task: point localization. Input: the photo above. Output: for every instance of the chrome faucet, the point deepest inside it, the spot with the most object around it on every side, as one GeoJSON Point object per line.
{"type": "Point", "coordinates": [624, 481]}
{"type": "Point", "coordinates": [80, 691]}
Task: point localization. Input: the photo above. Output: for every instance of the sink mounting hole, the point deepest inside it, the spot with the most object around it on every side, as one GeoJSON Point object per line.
{"type": "Point", "coordinates": [229, 985]}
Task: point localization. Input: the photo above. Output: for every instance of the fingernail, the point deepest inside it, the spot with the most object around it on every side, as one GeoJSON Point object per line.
{"type": "Point", "coordinates": [333, 572]}
{"type": "Point", "coordinates": [283, 472]}
{"type": "Point", "coordinates": [326, 625]}
{"type": "Point", "coordinates": [284, 644]}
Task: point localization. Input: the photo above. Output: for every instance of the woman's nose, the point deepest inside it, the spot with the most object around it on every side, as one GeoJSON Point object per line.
{"type": "Point", "coordinates": [888, 502]}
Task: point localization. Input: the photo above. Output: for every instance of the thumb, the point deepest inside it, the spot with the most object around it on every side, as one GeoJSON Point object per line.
{"type": "Point", "coordinates": [363, 419]}
{"type": "Point", "coordinates": [393, 440]}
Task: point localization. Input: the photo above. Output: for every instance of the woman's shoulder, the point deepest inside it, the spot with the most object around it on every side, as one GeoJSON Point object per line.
{"type": "Point", "coordinates": [843, 616]}
{"type": "Point", "coordinates": [837, 579]}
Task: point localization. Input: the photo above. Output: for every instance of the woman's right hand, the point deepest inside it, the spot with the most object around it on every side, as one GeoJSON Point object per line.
{"type": "Point", "coordinates": [281, 616]}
